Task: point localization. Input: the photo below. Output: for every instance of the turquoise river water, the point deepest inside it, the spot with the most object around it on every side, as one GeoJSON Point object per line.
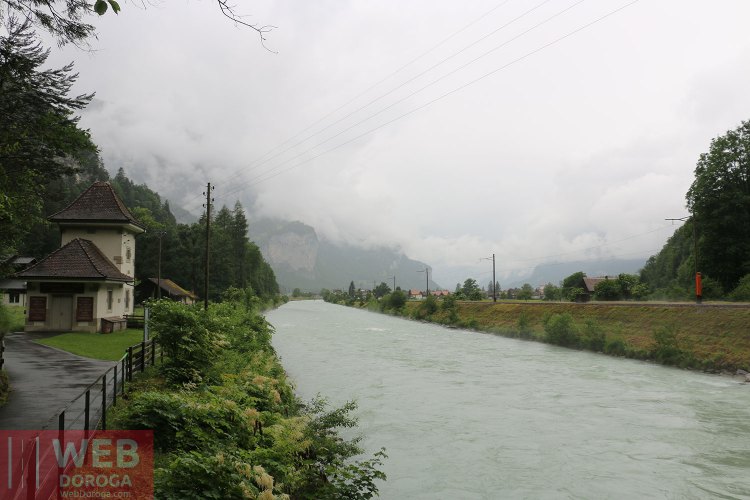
{"type": "Point", "coordinates": [465, 415]}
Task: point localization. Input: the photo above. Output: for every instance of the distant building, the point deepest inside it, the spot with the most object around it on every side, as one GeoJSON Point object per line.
{"type": "Point", "coordinates": [13, 291]}
{"type": "Point", "coordinates": [589, 285]}
{"type": "Point", "coordinates": [415, 294]}
{"type": "Point", "coordinates": [149, 289]}
{"type": "Point", "coordinates": [87, 283]}
{"type": "Point", "coordinates": [440, 293]}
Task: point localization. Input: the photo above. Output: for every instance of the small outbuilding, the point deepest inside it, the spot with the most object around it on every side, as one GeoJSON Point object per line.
{"type": "Point", "coordinates": [149, 289]}
{"type": "Point", "coordinates": [87, 283]}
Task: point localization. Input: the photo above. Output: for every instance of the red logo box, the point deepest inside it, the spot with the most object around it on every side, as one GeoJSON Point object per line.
{"type": "Point", "coordinates": [76, 464]}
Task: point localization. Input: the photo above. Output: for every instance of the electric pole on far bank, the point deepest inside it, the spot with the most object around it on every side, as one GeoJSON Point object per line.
{"type": "Point", "coordinates": [494, 291]}
{"type": "Point", "coordinates": [208, 237]}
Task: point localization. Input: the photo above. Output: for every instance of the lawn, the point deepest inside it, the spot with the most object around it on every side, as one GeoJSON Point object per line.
{"type": "Point", "coordinates": [110, 346]}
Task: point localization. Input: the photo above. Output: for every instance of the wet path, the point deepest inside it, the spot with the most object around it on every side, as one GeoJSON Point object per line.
{"type": "Point", "coordinates": [43, 380]}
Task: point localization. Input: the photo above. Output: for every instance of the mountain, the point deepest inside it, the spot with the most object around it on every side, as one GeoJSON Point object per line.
{"type": "Point", "coordinates": [557, 271]}
{"type": "Point", "coordinates": [300, 259]}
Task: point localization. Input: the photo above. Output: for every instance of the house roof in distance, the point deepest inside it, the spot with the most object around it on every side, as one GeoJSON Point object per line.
{"type": "Point", "coordinates": [173, 288]}
{"type": "Point", "coordinates": [589, 284]}
{"type": "Point", "coordinates": [99, 203]}
{"type": "Point", "coordinates": [79, 259]}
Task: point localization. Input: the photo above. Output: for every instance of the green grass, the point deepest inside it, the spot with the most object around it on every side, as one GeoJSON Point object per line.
{"type": "Point", "coordinates": [17, 318]}
{"type": "Point", "coordinates": [110, 346]}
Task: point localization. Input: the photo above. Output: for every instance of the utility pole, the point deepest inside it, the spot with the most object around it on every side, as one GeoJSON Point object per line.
{"type": "Point", "coordinates": [698, 282]}
{"type": "Point", "coordinates": [158, 277]}
{"type": "Point", "coordinates": [208, 236]}
{"type": "Point", "coordinates": [394, 282]}
{"type": "Point", "coordinates": [494, 292]}
{"type": "Point", "coordinates": [427, 276]}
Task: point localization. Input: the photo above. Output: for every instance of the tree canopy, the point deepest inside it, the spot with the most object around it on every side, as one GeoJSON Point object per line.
{"type": "Point", "coordinates": [40, 140]}
{"type": "Point", "coordinates": [67, 21]}
{"type": "Point", "coordinates": [719, 200]}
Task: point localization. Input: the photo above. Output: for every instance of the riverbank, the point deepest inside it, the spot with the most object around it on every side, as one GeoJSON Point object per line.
{"type": "Point", "coordinates": [713, 337]}
{"type": "Point", "coordinates": [226, 420]}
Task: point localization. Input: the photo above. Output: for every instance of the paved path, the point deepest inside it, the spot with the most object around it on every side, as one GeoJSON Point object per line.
{"type": "Point", "coordinates": [43, 380]}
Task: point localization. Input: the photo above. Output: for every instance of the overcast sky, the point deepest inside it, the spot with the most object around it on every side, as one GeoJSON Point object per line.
{"type": "Point", "coordinates": [448, 129]}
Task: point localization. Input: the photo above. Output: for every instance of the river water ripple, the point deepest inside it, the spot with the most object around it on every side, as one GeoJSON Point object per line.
{"type": "Point", "coordinates": [465, 415]}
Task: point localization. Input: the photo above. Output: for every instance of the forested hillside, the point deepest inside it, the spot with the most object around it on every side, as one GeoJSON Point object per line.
{"type": "Point", "coordinates": [234, 261]}
{"type": "Point", "coordinates": [719, 227]}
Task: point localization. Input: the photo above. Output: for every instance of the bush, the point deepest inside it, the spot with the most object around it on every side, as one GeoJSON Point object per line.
{"type": "Point", "coordinates": [524, 325]}
{"type": "Point", "coordinates": [616, 347]}
{"type": "Point", "coordinates": [742, 290]}
{"type": "Point", "coordinates": [189, 342]}
{"type": "Point", "coordinates": [222, 474]}
{"type": "Point", "coordinates": [187, 421]}
{"type": "Point", "coordinates": [593, 338]}
{"type": "Point", "coordinates": [666, 349]}
{"type": "Point", "coordinates": [4, 387]}
{"type": "Point", "coordinates": [561, 331]}
{"type": "Point", "coordinates": [608, 290]}
{"type": "Point", "coordinates": [394, 300]}
{"type": "Point", "coordinates": [5, 321]}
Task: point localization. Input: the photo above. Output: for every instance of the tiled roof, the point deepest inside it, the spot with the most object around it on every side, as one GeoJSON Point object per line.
{"type": "Point", "coordinates": [99, 203]}
{"type": "Point", "coordinates": [173, 288]}
{"type": "Point", "coordinates": [78, 259]}
{"type": "Point", "coordinates": [590, 283]}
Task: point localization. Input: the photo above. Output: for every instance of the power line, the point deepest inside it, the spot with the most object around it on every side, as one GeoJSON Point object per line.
{"type": "Point", "coordinates": [413, 93]}
{"type": "Point", "coordinates": [376, 99]}
{"type": "Point", "coordinates": [371, 87]}
{"type": "Point", "coordinates": [428, 103]}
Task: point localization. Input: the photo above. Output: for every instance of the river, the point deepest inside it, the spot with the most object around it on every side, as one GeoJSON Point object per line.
{"type": "Point", "coordinates": [466, 415]}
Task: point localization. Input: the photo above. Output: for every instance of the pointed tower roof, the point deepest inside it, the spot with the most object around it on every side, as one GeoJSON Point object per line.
{"type": "Point", "coordinates": [79, 259]}
{"type": "Point", "coordinates": [98, 204]}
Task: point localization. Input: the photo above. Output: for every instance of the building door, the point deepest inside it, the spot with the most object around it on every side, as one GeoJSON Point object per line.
{"type": "Point", "coordinates": [61, 312]}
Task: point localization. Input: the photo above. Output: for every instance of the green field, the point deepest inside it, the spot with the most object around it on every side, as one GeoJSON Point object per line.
{"type": "Point", "coordinates": [110, 346]}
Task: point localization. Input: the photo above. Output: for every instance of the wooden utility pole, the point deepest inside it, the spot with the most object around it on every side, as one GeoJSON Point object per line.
{"type": "Point", "coordinates": [158, 276]}
{"type": "Point", "coordinates": [494, 288]}
{"type": "Point", "coordinates": [427, 277]}
{"type": "Point", "coordinates": [494, 291]}
{"type": "Point", "coordinates": [208, 238]}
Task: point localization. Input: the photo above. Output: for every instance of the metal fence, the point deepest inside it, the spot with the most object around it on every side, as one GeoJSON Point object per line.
{"type": "Point", "coordinates": [89, 409]}
{"type": "Point", "coordinates": [87, 412]}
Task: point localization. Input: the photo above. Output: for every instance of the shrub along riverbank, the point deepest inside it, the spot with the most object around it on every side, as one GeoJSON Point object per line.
{"type": "Point", "coordinates": [226, 421]}
{"type": "Point", "coordinates": [713, 338]}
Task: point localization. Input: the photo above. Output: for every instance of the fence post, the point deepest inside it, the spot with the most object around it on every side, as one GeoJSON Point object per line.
{"type": "Point", "coordinates": [104, 402]}
{"type": "Point", "coordinates": [86, 410]}
{"type": "Point", "coordinates": [114, 389]}
{"type": "Point", "coordinates": [143, 356]}
{"type": "Point", "coordinates": [153, 352]}
{"type": "Point", "coordinates": [124, 375]}
{"type": "Point", "coordinates": [130, 363]}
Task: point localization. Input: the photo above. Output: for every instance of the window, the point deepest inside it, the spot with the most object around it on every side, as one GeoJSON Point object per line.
{"type": "Point", "coordinates": [109, 300]}
{"type": "Point", "coordinates": [127, 300]}
{"type": "Point", "coordinates": [128, 254]}
{"type": "Point", "coordinates": [37, 308]}
{"type": "Point", "coordinates": [85, 309]}
{"type": "Point", "coordinates": [14, 298]}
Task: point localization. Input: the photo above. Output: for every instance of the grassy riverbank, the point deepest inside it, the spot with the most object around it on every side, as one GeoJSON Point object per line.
{"type": "Point", "coordinates": [712, 337]}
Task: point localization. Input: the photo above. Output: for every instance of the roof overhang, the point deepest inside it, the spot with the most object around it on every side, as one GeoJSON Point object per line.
{"type": "Point", "coordinates": [103, 224]}
{"type": "Point", "coordinates": [58, 279]}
